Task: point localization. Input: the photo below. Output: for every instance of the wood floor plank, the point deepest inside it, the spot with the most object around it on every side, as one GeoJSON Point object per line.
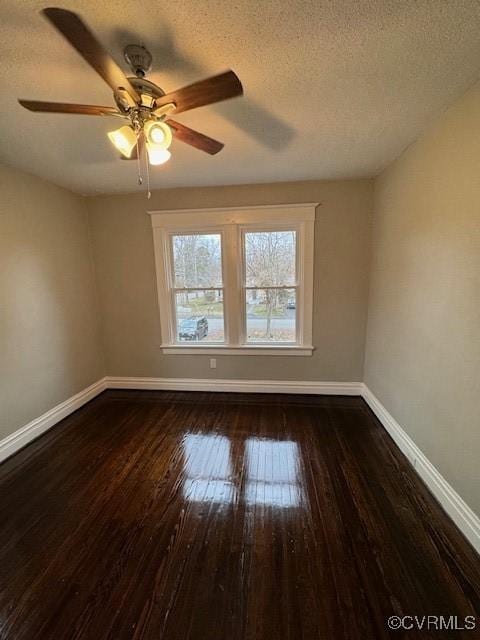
{"type": "Point", "coordinates": [187, 516]}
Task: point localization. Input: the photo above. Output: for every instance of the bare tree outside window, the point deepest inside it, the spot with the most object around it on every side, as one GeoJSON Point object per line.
{"type": "Point", "coordinates": [197, 261]}
{"type": "Point", "coordinates": [270, 286]}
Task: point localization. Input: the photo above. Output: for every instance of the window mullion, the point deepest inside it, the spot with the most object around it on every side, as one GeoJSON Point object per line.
{"type": "Point", "coordinates": [232, 285]}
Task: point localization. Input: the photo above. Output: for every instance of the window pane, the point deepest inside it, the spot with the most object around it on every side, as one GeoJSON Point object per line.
{"type": "Point", "coordinates": [199, 316]}
{"type": "Point", "coordinates": [270, 258]}
{"type": "Point", "coordinates": [197, 260]}
{"type": "Point", "coordinates": [271, 315]}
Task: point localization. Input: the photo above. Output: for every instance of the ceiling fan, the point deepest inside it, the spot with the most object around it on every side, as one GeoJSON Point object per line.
{"type": "Point", "coordinates": [145, 106]}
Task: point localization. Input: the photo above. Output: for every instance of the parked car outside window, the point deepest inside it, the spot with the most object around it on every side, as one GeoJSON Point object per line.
{"type": "Point", "coordinates": [193, 328]}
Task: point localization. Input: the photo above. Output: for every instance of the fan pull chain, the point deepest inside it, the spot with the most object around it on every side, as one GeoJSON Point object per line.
{"type": "Point", "coordinates": [139, 169]}
{"type": "Point", "coordinates": [149, 194]}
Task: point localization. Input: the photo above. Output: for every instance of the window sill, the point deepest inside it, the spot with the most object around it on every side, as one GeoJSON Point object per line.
{"type": "Point", "coordinates": [242, 350]}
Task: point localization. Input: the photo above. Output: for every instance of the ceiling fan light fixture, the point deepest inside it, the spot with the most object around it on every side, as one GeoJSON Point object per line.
{"type": "Point", "coordinates": [123, 139]}
{"type": "Point", "coordinates": [147, 100]}
{"type": "Point", "coordinates": [157, 154]}
{"type": "Point", "coordinates": [158, 134]}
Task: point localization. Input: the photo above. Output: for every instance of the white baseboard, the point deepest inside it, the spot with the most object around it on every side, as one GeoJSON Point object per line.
{"type": "Point", "coordinates": [237, 386]}
{"type": "Point", "coordinates": [458, 510]}
{"type": "Point", "coordinates": [18, 439]}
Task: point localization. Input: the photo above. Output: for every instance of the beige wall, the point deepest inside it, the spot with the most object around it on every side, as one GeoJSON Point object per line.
{"type": "Point", "coordinates": [423, 345]}
{"type": "Point", "coordinates": [49, 339]}
{"type": "Point", "coordinates": [124, 260]}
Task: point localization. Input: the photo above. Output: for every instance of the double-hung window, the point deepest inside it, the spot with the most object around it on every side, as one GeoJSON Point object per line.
{"type": "Point", "coordinates": [236, 281]}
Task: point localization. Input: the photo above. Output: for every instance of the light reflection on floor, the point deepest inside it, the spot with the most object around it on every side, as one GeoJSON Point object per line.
{"type": "Point", "coordinates": [271, 471]}
{"type": "Point", "coordinates": [208, 469]}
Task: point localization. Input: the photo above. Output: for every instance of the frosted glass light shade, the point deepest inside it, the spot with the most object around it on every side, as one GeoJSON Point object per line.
{"type": "Point", "coordinates": [157, 154]}
{"type": "Point", "coordinates": [123, 139]}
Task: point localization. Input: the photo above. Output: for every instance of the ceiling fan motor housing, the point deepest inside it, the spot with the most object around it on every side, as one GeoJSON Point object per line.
{"type": "Point", "coordinates": [139, 59]}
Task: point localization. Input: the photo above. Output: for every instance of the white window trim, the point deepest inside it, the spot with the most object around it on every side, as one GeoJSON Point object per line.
{"type": "Point", "coordinates": [231, 223]}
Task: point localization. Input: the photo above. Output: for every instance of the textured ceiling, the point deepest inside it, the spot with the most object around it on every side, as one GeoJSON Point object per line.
{"type": "Point", "coordinates": [333, 89]}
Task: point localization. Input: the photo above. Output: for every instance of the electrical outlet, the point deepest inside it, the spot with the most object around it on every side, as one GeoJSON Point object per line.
{"type": "Point", "coordinates": [213, 363]}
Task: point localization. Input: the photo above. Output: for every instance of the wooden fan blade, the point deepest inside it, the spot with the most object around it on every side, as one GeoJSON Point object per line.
{"type": "Point", "coordinates": [215, 89]}
{"type": "Point", "coordinates": [82, 39]}
{"type": "Point", "coordinates": [62, 107]}
{"type": "Point", "coordinates": [194, 138]}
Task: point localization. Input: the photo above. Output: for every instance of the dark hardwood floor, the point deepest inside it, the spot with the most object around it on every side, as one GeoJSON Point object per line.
{"type": "Point", "coordinates": [195, 516]}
